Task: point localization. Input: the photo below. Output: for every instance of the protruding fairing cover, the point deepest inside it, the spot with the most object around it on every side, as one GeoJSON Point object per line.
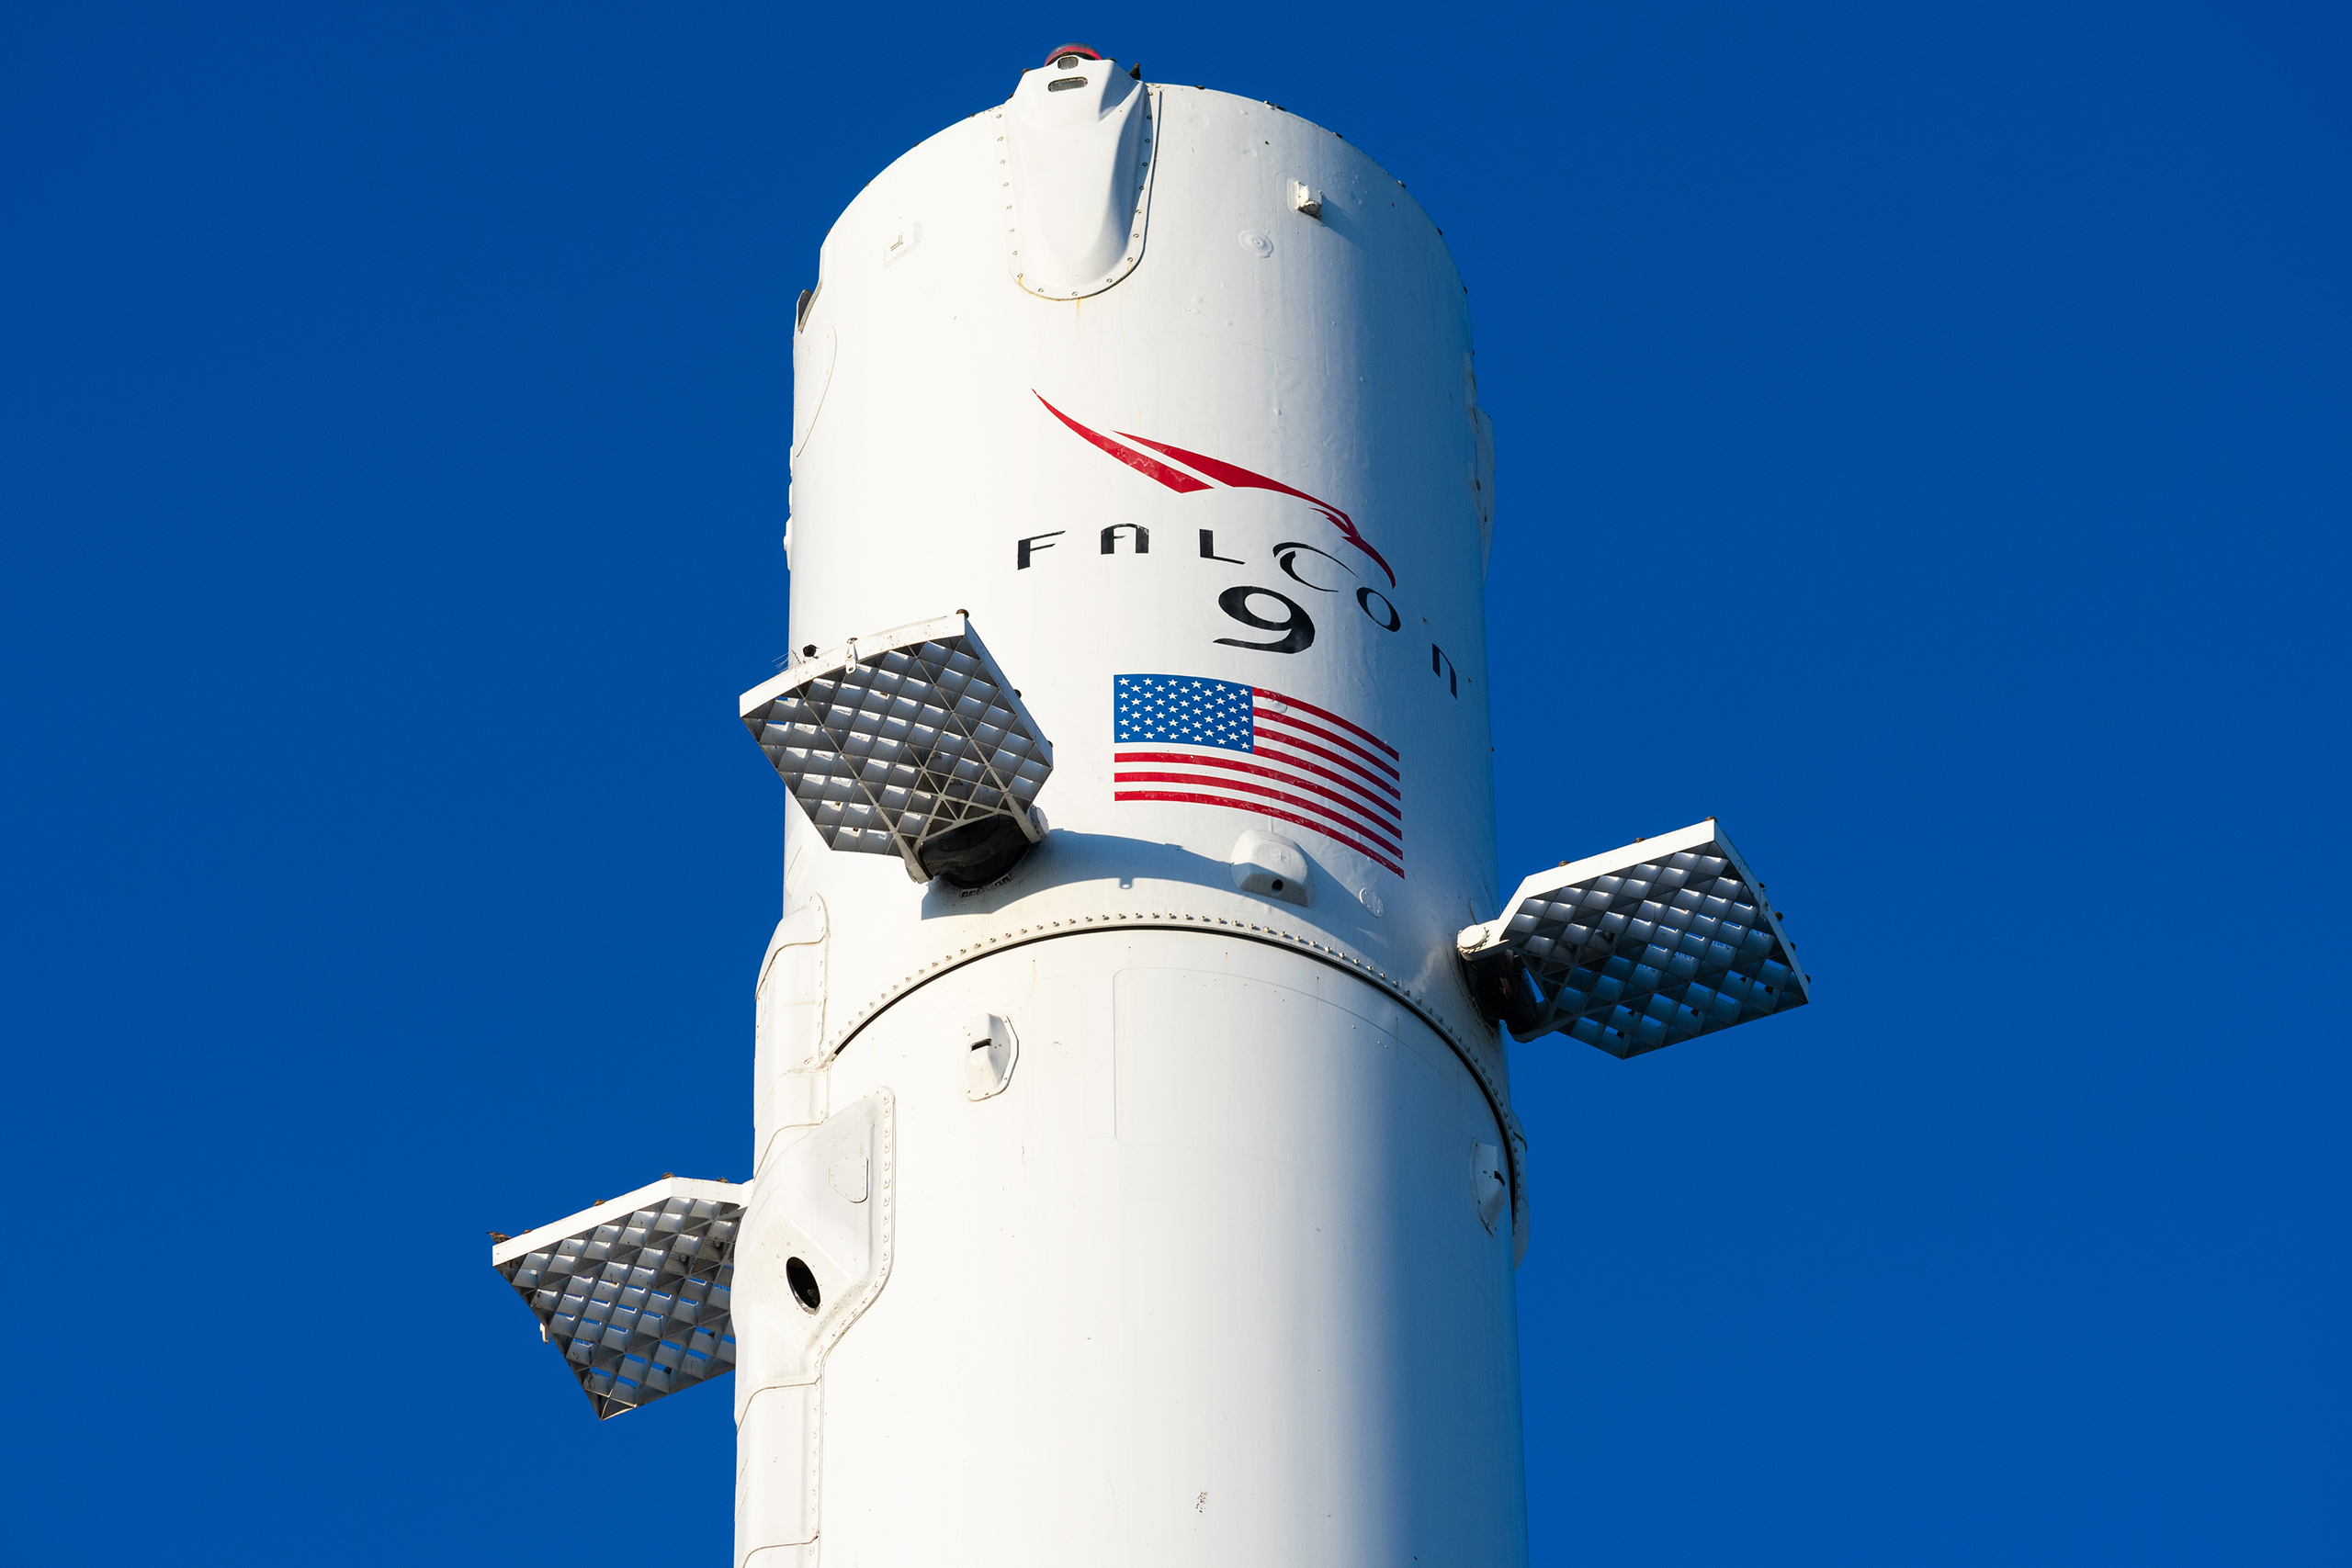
{"type": "Point", "coordinates": [1074, 156]}
{"type": "Point", "coordinates": [1660, 941]}
{"type": "Point", "coordinates": [635, 1292]}
{"type": "Point", "coordinates": [911, 742]}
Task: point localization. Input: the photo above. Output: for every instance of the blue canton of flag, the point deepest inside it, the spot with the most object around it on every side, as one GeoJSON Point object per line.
{"type": "Point", "coordinates": [1183, 709]}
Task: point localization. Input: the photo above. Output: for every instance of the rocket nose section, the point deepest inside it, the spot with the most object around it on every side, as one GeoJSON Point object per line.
{"type": "Point", "coordinates": [1078, 149]}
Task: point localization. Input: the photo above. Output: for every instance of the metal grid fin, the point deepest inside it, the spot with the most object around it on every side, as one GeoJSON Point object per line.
{"type": "Point", "coordinates": [639, 1307]}
{"type": "Point", "coordinates": [889, 750]}
{"type": "Point", "coordinates": [1652, 952]}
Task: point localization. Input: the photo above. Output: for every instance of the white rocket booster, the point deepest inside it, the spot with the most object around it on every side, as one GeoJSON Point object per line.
{"type": "Point", "coordinates": [1135, 1172]}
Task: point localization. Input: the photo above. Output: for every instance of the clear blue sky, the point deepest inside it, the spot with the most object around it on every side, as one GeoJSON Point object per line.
{"type": "Point", "coordinates": [1923, 442]}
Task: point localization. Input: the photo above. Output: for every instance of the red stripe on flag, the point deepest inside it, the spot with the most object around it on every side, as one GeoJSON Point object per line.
{"type": "Point", "coordinates": [1263, 716]}
{"type": "Point", "coordinates": [1351, 824]}
{"type": "Point", "coordinates": [1191, 761]}
{"type": "Point", "coordinates": [1370, 856]}
{"type": "Point", "coordinates": [1319, 713]}
{"type": "Point", "coordinates": [1288, 760]}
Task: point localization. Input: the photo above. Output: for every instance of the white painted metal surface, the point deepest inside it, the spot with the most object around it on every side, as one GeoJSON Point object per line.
{"type": "Point", "coordinates": [1184, 1206]}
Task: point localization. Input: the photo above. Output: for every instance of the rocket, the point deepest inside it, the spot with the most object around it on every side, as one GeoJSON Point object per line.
{"type": "Point", "coordinates": [1136, 1176]}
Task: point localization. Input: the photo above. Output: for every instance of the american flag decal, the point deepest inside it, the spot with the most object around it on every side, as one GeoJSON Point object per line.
{"type": "Point", "coordinates": [1204, 742]}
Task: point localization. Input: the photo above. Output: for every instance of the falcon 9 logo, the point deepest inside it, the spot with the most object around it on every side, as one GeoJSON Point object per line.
{"type": "Point", "coordinates": [1186, 473]}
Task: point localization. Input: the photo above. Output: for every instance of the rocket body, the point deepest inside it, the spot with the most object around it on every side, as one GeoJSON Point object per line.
{"type": "Point", "coordinates": [1155, 1201]}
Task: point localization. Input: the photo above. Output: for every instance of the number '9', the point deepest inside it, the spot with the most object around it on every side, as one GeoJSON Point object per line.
{"type": "Point", "coordinates": [1298, 631]}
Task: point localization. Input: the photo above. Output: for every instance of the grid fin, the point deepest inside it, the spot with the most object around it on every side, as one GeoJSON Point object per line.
{"type": "Point", "coordinates": [897, 739]}
{"type": "Point", "coordinates": [1658, 943]}
{"type": "Point", "coordinates": [637, 1306]}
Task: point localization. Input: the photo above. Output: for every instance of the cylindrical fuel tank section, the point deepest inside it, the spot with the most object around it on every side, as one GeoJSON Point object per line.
{"type": "Point", "coordinates": [1153, 1202]}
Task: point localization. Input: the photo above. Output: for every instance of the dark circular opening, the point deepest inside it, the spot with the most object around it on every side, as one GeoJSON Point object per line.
{"type": "Point", "coordinates": [803, 1283]}
{"type": "Point", "coordinates": [1278, 883]}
